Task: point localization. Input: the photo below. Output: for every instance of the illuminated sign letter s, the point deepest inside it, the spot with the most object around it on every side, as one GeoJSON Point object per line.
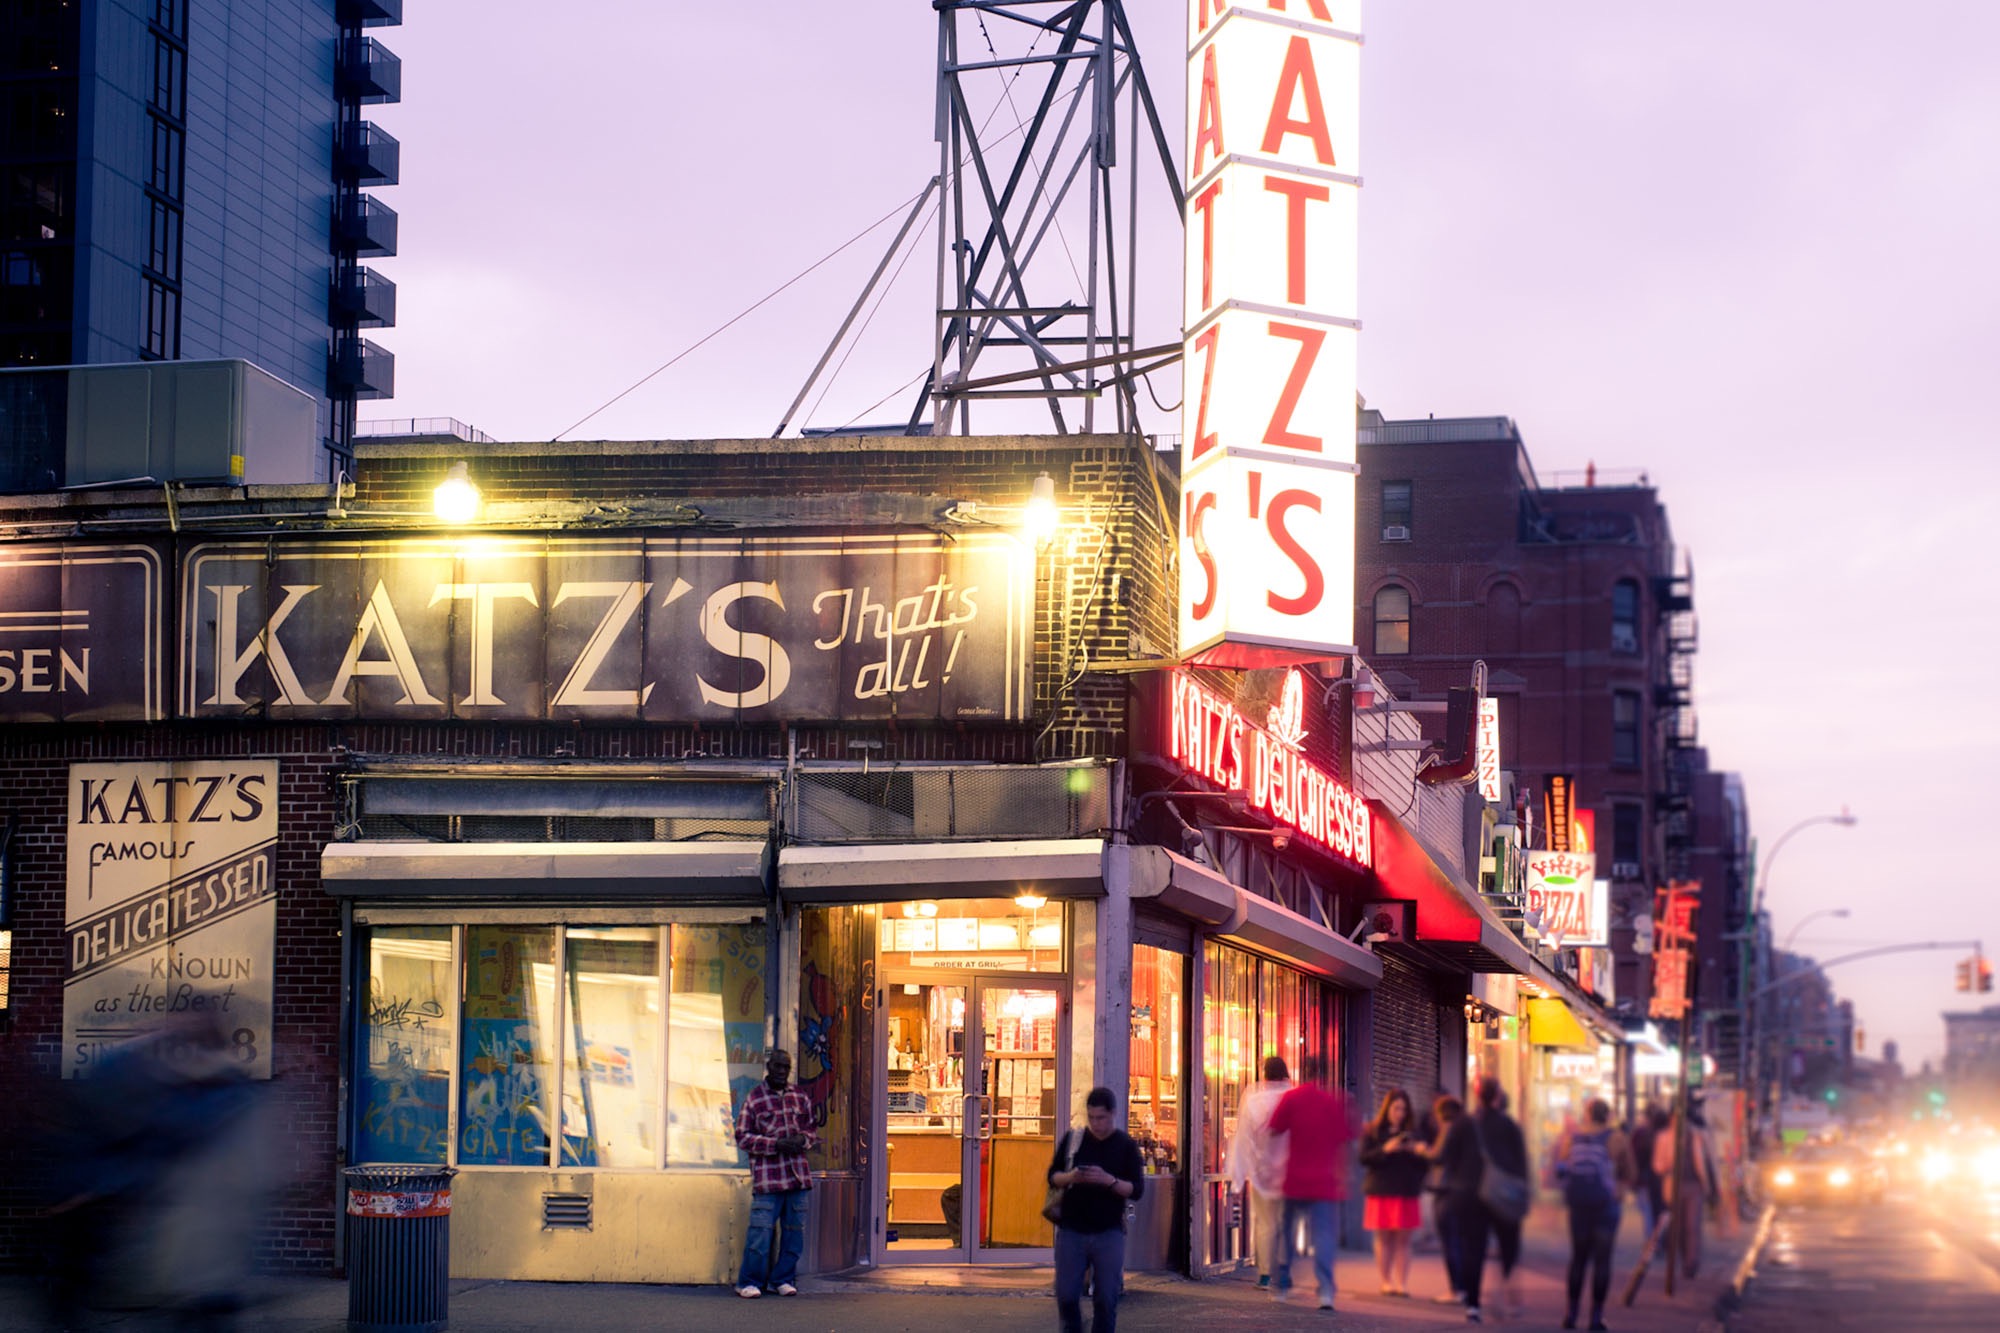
{"type": "Point", "coordinates": [1197, 507]}
{"type": "Point", "coordinates": [762, 649]}
{"type": "Point", "coordinates": [1315, 579]}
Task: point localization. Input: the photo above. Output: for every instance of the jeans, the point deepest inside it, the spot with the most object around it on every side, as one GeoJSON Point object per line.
{"type": "Point", "coordinates": [1593, 1235]}
{"type": "Point", "coordinates": [1474, 1225]}
{"type": "Point", "coordinates": [1102, 1255]}
{"type": "Point", "coordinates": [785, 1210]}
{"type": "Point", "coordinates": [1451, 1240]}
{"type": "Point", "coordinates": [1319, 1216]}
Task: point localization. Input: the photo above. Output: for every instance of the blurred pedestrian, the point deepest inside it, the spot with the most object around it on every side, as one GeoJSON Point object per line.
{"type": "Point", "coordinates": [1487, 1135]}
{"type": "Point", "coordinates": [1316, 1120]}
{"type": "Point", "coordinates": [1445, 1112]}
{"type": "Point", "coordinates": [1647, 1190]}
{"type": "Point", "coordinates": [1099, 1172]}
{"type": "Point", "coordinates": [775, 1128]}
{"type": "Point", "coordinates": [1257, 1163]}
{"type": "Point", "coordinates": [1392, 1183]}
{"type": "Point", "coordinates": [1595, 1165]}
{"type": "Point", "coordinates": [1700, 1176]}
{"type": "Point", "coordinates": [160, 1164]}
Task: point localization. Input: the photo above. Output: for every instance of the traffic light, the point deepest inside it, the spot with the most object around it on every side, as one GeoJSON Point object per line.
{"type": "Point", "coordinates": [1860, 1039]}
{"type": "Point", "coordinates": [1985, 973]}
{"type": "Point", "coordinates": [1964, 980]}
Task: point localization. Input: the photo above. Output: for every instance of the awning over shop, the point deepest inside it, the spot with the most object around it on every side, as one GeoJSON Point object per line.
{"type": "Point", "coordinates": [1055, 867]}
{"type": "Point", "coordinates": [711, 870]}
{"type": "Point", "coordinates": [1452, 926]}
{"type": "Point", "coordinates": [1228, 912]}
{"type": "Point", "coordinates": [1550, 1023]}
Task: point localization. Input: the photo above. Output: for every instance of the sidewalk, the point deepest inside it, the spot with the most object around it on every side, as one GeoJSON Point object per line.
{"type": "Point", "coordinates": [950, 1300]}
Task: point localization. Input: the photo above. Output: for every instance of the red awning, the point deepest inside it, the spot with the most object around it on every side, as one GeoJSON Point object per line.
{"type": "Point", "coordinates": [1408, 873]}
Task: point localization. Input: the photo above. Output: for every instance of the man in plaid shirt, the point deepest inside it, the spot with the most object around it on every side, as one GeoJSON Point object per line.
{"type": "Point", "coordinates": [775, 1129]}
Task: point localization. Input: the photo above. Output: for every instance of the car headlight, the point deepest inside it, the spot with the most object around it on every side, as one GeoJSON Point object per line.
{"type": "Point", "coordinates": [1840, 1177]}
{"type": "Point", "coordinates": [1936, 1167]}
{"type": "Point", "coordinates": [1989, 1167]}
{"type": "Point", "coordinates": [1784, 1179]}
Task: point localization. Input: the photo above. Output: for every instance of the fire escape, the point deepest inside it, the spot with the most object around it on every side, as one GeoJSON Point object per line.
{"type": "Point", "coordinates": [1673, 708]}
{"type": "Point", "coordinates": [365, 73]}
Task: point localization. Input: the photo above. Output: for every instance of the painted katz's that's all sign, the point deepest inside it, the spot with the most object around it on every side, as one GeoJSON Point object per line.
{"type": "Point", "coordinates": [171, 914]}
{"type": "Point", "coordinates": [1269, 357]}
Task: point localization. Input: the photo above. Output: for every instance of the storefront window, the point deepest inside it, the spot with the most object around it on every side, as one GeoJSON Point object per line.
{"type": "Point", "coordinates": [611, 1048]}
{"type": "Point", "coordinates": [507, 1060]}
{"type": "Point", "coordinates": [1154, 1109]}
{"type": "Point", "coordinates": [1229, 1034]}
{"type": "Point", "coordinates": [403, 1094]}
{"type": "Point", "coordinates": [715, 1039]}
{"type": "Point", "coordinates": [973, 934]}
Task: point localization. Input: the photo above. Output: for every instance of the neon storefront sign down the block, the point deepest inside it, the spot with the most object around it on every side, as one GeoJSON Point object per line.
{"type": "Point", "coordinates": [1216, 742]}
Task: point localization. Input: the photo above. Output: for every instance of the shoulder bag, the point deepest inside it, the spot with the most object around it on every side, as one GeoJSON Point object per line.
{"type": "Point", "coordinates": [1505, 1194]}
{"type": "Point", "coordinates": [1052, 1206]}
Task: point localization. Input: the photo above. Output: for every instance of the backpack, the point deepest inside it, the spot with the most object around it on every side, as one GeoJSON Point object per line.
{"type": "Point", "coordinates": [1590, 1177]}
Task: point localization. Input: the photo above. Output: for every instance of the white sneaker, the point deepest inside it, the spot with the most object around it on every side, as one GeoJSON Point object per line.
{"type": "Point", "coordinates": [748, 1292]}
{"type": "Point", "coordinates": [787, 1289]}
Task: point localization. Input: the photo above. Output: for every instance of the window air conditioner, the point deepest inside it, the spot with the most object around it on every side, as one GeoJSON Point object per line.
{"type": "Point", "coordinates": [1396, 533]}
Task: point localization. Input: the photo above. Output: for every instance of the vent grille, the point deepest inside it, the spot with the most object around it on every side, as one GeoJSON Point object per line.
{"type": "Point", "coordinates": [565, 1212]}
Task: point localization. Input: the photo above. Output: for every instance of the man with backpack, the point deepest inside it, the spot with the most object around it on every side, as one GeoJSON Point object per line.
{"type": "Point", "coordinates": [1596, 1167]}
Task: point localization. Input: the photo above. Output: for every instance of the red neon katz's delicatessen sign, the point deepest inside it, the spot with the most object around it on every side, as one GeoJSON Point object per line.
{"type": "Point", "coordinates": [1217, 742]}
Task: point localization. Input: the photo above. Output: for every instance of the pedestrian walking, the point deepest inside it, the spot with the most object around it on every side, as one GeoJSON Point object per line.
{"type": "Point", "coordinates": [1392, 1183]}
{"type": "Point", "coordinates": [1595, 1165]}
{"type": "Point", "coordinates": [1647, 1192]}
{"type": "Point", "coordinates": [1316, 1122]}
{"type": "Point", "coordinates": [775, 1128]}
{"type": "Point", "coordinates": [1099, 1172]}
{"type": "Point", "coordinates": [1700, 1176]}
{"type": "Point", "coordinates": [1257, 1164]}
{"type": "Point", "coordinates": [1445, 1112]}
{"type": "Point", "coordinates": [1487, 1140]}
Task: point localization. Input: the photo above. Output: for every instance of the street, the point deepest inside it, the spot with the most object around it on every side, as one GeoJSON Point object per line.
{"type": "Point", "coordinates": [1897, 1265]}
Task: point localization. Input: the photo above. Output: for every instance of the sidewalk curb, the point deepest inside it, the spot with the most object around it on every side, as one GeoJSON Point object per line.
{"type": "Point", "coordinates": [1731, 1297]}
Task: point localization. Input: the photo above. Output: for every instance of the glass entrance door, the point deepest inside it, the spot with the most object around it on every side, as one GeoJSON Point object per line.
{"type": "Point", "coordinates": [974, 1093]}
{"type": "Point", "coordinates": [1018, 1112]}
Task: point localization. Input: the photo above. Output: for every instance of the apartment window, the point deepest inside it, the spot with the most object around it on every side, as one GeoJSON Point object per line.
{"type": "Point", "coordinates": [1625, 729]}
{"type": "Point", "coordinates": [166, 176]}
{"type": "Point", "coordinates": [163, 247]}
{"type": "Point", "coordinates": [169, 78]}
{"type": "Point", "coordinates": [1392, 621]}
{"type": "Point", "coordinates": [1625, 851]}
{"type": "Point", "coordinates": [1625, 616]}
{"type": "Point", "coordinates": [1398, 501]}
{"type": "Point", "coordinates": [163, 322]}
{"type": "Point", "coordinates": [171, 16]}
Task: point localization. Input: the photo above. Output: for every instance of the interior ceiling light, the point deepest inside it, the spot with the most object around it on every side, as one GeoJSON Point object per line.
{"type": "Point", "coordinates": [1031, 900]}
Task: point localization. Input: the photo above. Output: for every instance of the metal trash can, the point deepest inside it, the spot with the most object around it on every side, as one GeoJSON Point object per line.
{"type": "Point", "coordinates": [398, 1248]}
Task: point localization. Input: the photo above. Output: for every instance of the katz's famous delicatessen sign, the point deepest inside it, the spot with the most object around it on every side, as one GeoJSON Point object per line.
{"type": "Point", "coordinates": [171, 910]}
{"type": "Point", "coordinates": [1269, 357]}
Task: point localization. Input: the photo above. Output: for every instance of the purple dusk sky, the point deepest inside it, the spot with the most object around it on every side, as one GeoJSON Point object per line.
{"type": "Point", "coordinates": [1748, 248]}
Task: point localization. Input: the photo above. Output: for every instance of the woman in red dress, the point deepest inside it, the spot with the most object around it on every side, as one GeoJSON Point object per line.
{"type": "Point", "coordinates": [1392, 1182]}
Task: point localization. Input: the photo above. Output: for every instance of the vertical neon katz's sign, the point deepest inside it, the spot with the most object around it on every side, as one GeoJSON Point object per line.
{"type": "Point", "coordinates": [1267, 431]}
{"type": "Point", "coordinates": [1219, 744]}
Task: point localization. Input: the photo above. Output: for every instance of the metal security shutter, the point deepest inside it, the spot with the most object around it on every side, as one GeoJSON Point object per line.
{"type": "Point", "coordinates": [1407, 1035]}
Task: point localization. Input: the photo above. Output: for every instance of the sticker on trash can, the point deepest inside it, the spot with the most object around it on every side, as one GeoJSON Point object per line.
{"type": "Point", "coordinates": [399, 1203]}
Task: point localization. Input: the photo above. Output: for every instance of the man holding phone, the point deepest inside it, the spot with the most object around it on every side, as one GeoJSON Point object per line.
{"type": "Point", "coordinates": [1099, 1171]}
{"type": "Point", "coordinates": [775, 1129]}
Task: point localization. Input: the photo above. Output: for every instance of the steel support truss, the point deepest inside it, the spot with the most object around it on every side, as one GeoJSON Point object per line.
{"type": "Point", "coordinates": [1028, 95]}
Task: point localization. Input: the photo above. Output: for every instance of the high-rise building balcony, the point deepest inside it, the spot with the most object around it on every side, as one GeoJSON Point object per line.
{"type": "Point", "coordinates": [366, 226]}
{"type": "Point", "coordinates": [358, 365]}
{"type": "Point", "coordinates": [368, 72]}
{"type": "Point", "coordinates": [369, 13]}
{"type": "Point", "coordinates": [367, 155]}
{"type": "Point", "coordinates": [363, 298]}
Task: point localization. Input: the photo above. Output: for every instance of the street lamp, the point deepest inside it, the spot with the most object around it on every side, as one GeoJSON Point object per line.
{"type": "Point", "coordinates": [1810, 918]}
{"type": "Point", "coordinates": [1747, 1043]}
